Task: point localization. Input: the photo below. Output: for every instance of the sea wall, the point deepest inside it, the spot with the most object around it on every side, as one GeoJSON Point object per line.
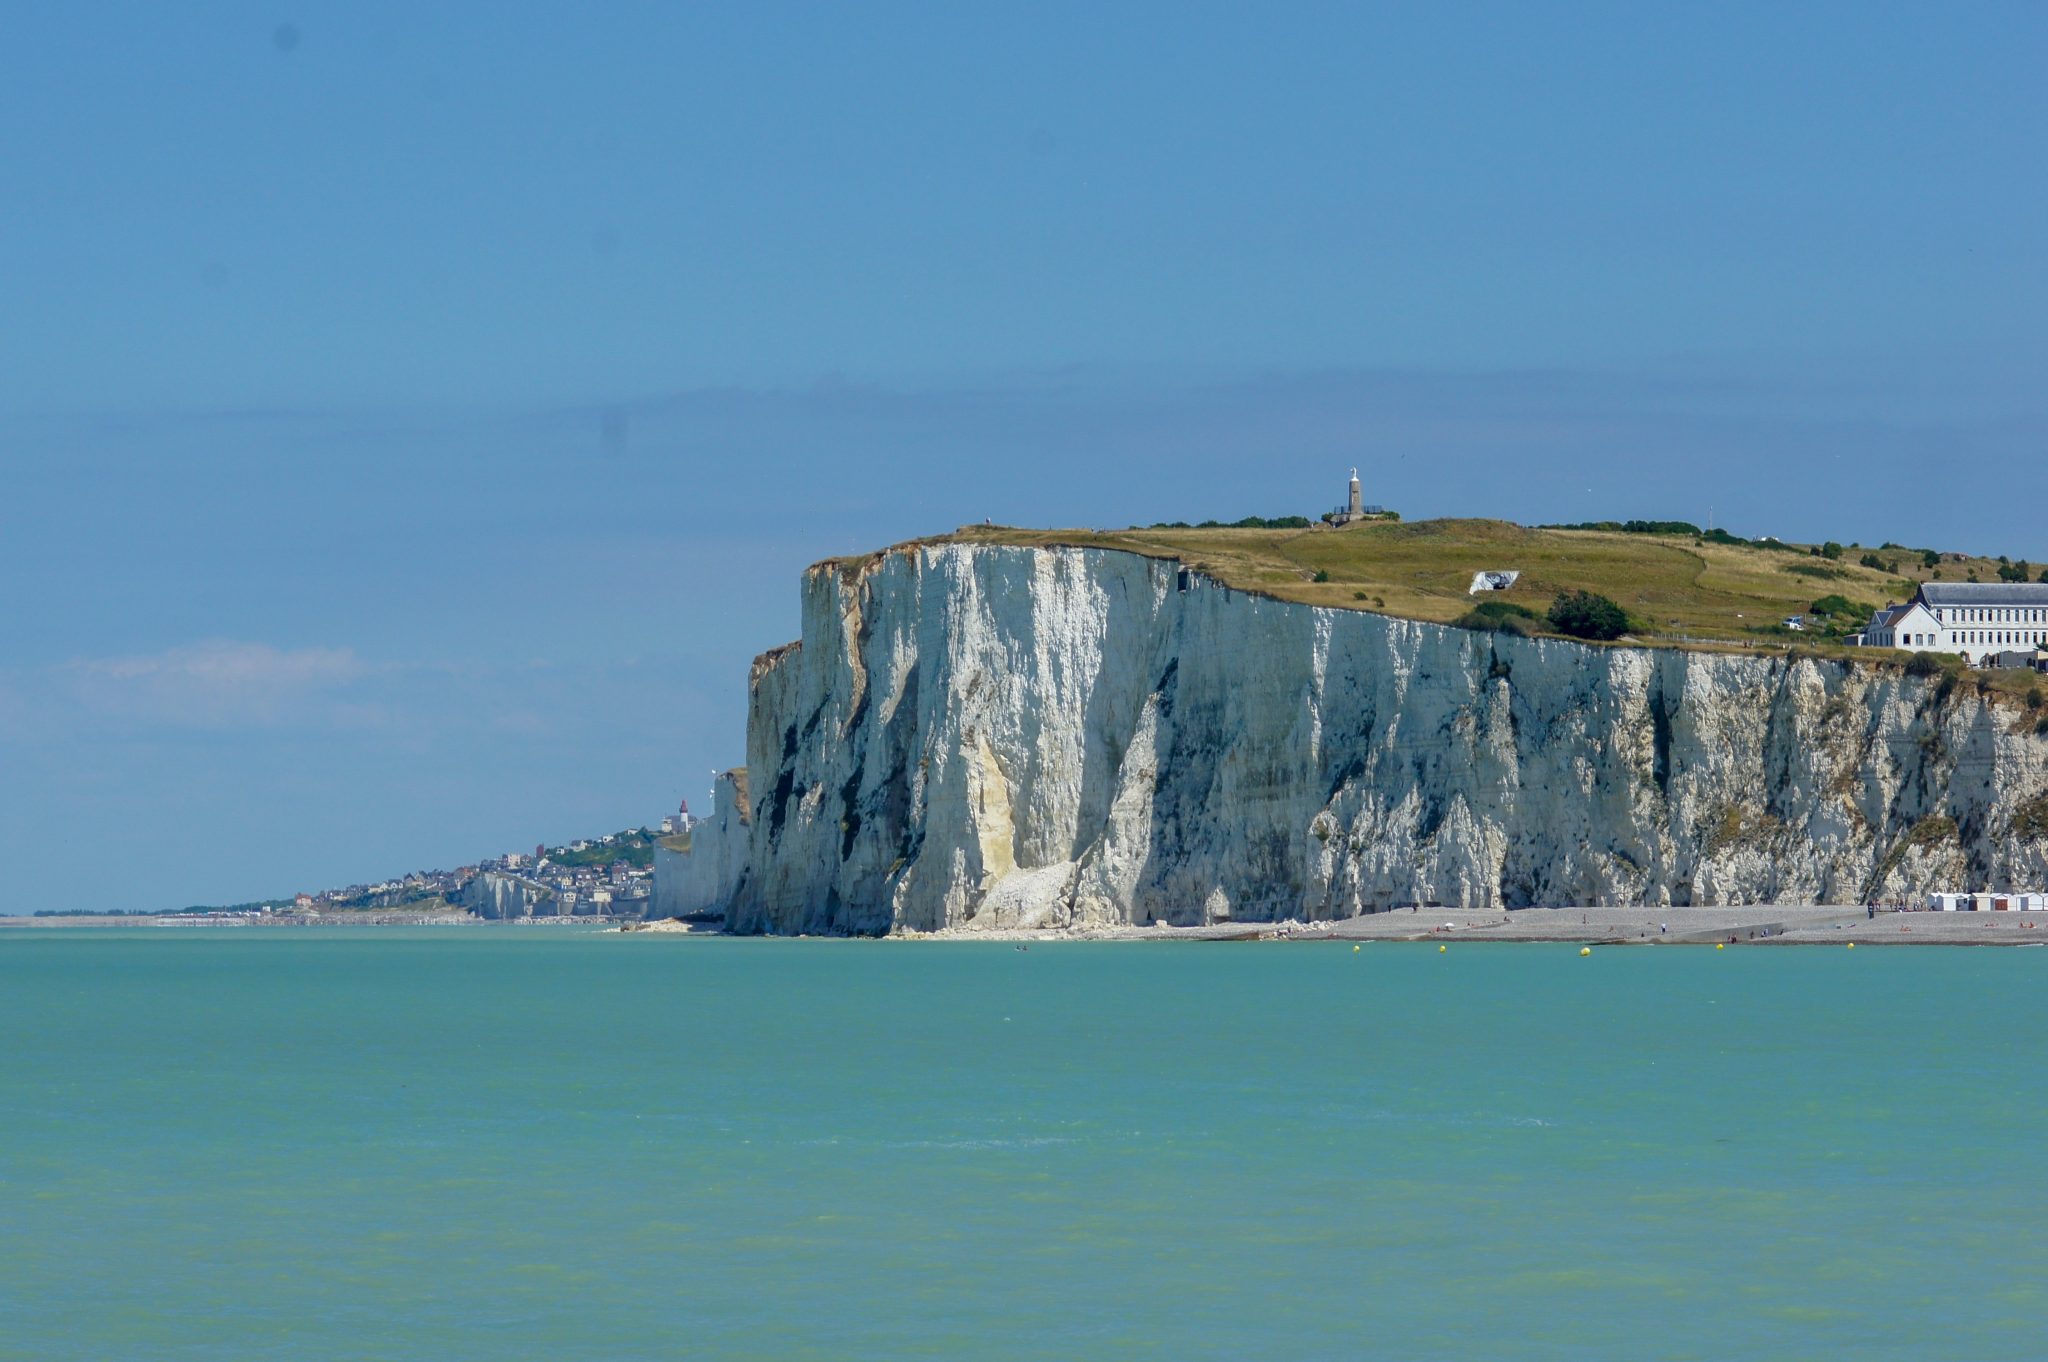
{"type": "Point", "coordinates": [976, 736]}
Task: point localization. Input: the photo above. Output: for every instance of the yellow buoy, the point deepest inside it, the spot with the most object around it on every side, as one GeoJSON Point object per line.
{"type": "Point", "coordinates": [1720, 945]}
{"type": "Point", "coordinates": [1585, 950]}
{"type": "Point", "coordinates": [1441, 949]}
{"type": "Point", "coordinates": [1354, 949]}
{"type": "Point", "coordinates": [1852, 945]}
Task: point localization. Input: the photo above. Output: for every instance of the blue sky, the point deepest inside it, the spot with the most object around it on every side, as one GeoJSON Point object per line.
{"type": "Point", "coordinates": [411, 422]}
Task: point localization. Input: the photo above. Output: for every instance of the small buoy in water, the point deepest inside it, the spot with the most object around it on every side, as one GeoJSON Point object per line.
{"type": "Point", "coordinates": [1720, 945]}
{"type": "Point", "coordinates": [1852, 945]}
{"type": "Point", "coordinates": [1354, 949]}
{"type": "Point", "coordinates": [1585, 950]}
{"type": "Point", "coordinates": [1441, 949]}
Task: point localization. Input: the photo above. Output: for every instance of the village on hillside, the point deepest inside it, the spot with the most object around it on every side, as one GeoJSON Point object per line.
{"type": "Point", "coordinates": [601, 877]}
{"type": "Point", "coordinates": [597, 878]}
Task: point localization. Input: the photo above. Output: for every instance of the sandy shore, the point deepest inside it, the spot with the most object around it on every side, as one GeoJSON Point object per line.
{"type": "Point", "coordinates": [1762, 925]}
{"type": "Point", "coordinates": [1765, 924]}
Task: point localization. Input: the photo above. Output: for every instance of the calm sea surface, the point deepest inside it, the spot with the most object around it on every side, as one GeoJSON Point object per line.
{"type": "Point", "coordinates": [506, 1144]}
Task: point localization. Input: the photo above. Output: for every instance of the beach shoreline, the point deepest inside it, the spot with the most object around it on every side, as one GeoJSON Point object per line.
{"type": "Point", "coordinates": [1754, 925]}
{"type": "Point", "coordinates": [1763, 924]}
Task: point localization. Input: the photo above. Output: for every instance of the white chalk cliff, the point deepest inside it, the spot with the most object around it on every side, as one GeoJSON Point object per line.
{"type": "Point", "coordinates": [701, 879]}
{"type": "Point", "coordinates": [977, 736]}
{"type": "Point", "coordinates": [507, 894]}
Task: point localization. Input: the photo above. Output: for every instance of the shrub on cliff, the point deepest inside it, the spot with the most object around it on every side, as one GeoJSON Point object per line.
{"type": "Point", "coordinates": [1250, 522]}
{"type": "Point", "coordinates": [1925, 664]}
{"type": "Point", "coordinates": [2031, 818]}
{"type": "Point", "coordinates": [1585, 614]}
{"type": "Point", "coordinates": [1503, 617]}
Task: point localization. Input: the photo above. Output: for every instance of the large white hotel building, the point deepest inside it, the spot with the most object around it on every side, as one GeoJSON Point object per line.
{"type": "Point", "coordinates": [1977, 619]}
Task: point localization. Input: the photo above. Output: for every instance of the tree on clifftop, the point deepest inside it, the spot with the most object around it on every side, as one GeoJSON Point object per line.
{"type": "Point", "coordinates": [1583, 614]}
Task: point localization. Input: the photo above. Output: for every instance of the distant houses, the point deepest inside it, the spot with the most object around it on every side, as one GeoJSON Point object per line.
{"type": "Point", "coordinates": [1988, 623]}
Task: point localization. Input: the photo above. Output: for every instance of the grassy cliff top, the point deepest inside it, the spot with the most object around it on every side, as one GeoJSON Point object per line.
{"type": "Point", "coordinates": [1678, 588]}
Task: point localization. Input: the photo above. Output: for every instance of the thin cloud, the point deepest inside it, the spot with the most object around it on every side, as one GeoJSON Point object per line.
{"type": "Point", "coordinates": [217, 683]}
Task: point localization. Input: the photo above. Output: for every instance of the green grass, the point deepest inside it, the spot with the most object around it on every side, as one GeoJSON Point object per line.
{"type": "Point", "coordinates": [634, 846]}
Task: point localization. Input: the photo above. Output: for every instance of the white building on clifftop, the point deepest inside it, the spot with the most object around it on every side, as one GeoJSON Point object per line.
{"type": "Point", "coordinates": [1977, 619]}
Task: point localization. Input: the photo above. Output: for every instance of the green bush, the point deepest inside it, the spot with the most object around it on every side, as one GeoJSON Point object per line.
{"type": "Point", "coordinates": [1841, 607]}
{"type": "Point", "coordinates": [1250, 522]}
{"type": "Point", "coordinates": [1498, 624]}
{"type": "Point", "coordinates": [1499, 616]}
{"type": "Point", "coordinates": [1322, 575]}
{"type": "Point", "coordinates": [1926, 664]}
{"type": "Point", "coordinates": [1929, 558]}
{"type": "Point", "coordinates": [1585, 614]}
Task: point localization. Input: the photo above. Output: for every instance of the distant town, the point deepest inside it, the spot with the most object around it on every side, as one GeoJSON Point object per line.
{"type": "Point", "coordinates": [596, 878]}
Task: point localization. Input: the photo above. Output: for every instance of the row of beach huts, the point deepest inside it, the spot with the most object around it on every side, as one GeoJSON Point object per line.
{"type": "Point", "coordinates": [1987, 903]}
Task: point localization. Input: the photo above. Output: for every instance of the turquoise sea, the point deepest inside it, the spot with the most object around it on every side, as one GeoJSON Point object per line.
{"type": "Point", "coordinates": [509, 1144]}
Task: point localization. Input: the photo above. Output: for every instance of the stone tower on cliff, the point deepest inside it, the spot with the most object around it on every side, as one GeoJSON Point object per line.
{"type": "Point", "coordinates": [1354, 509]}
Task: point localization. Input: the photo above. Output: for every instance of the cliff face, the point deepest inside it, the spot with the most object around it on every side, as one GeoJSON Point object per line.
{"type": "Point", "coordinates": [703, 879]}
{"type": "Point", "coordinates": [985, 736]}
{"type": "Point", "coordinates": [495, 894]}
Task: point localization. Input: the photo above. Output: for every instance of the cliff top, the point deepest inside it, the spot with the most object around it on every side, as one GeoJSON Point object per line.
{"type": "Point", "coordinates": [1682, 587]}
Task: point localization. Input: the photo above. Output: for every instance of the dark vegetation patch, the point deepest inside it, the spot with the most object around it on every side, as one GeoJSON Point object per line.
{"type": "Point", "coordinates": [1679, 527]}
{"type": "Point", "coordinates": [1499, 616]}
{"type": "Point", "coordinates": [634, 846]}
{"type": "Point", "coordinates": [1932, 830]}
{"type": "Point", "coordinates": [1587, 614]}
{"type": "Point", "coordinates": [1250, 522]}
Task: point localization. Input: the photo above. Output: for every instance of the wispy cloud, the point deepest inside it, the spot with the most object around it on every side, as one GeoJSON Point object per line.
{"type": "Point", "coordinates": [217, 683]}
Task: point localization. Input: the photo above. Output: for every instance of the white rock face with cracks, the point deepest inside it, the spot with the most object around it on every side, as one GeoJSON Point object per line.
{"type": "Point", "coordinates": [978, 736]}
